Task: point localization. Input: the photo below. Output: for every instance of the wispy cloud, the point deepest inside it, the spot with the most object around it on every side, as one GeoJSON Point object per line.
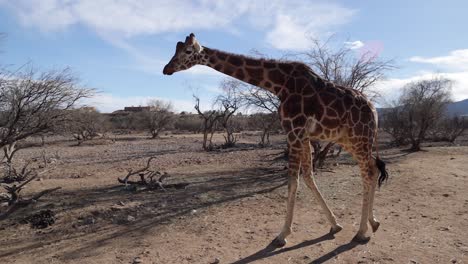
{"type": "Point", "coordinates": [455, 60]}
{"type": "Point", "coordinates": [297, 23]}
{"type": "Point", "coordinates": [286, 24]}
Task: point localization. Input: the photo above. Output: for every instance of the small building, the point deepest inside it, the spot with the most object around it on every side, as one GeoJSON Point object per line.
{"type": "Point", "coordinates": [137, 108]}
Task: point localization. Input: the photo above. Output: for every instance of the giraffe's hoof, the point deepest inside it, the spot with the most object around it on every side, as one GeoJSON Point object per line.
{"type": "Point", "coordinates": [335, 229]}
{"type": "Point", "coordinates": [360, 239]}
{"type": "Point", "coordinates": [278, 242]}
{"type": "Point", "coordinates": [375, 226]}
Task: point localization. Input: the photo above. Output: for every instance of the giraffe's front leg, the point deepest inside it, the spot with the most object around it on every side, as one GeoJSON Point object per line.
{"type": "Point", "coordinates": [294, 163]}
{"type": "Point", "coordinates": [307, 174]}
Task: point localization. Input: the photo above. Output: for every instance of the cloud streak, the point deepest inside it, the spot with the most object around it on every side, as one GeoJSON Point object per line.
{"type": "Point", "coordinates": [392, 87]}
{"type": "Point", "coordinates": [455, 60]}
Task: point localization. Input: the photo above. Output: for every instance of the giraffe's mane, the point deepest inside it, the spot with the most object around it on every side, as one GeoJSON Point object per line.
{"type": "Point", "coordinates": [264, 59]}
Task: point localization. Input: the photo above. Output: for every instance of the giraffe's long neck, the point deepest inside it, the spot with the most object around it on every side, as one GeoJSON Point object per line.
{"type": "Point", "coordinates": [258, 72]}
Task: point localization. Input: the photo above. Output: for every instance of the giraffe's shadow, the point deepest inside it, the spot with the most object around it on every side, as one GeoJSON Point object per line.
{"type": "Point", "coordinates": [271, 250]}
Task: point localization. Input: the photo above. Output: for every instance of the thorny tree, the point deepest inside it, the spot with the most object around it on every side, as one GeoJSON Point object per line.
{"type": "Point", "coordinates": [229, 103]}
{"type": "Point", "coordinates": [210, 121]}
{"type": "Point", "coordinates": [265, 122]}
{"type": "Point", "coordinates": [32, 103]}
{"type": "Point", "coordinates": [450, 128]}
{"type": "Point", "coordinates": [345, 67]}
{"type": "Point", "coordinates": [421, 106]}
{"type": "Point", "coordinates": [159, 117]}
{"type": "Point", "coordinates": [266, 104]}
{"type": "Point", "coordinates": [87, 123]}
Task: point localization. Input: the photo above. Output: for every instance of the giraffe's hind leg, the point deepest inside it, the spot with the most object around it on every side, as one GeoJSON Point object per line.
{"type": "Point", "coordinates": [367, 183]}
{"type": "Point", "coordinates": [374, 174]}
{"type": "Point", "coordinates": [306, 164]}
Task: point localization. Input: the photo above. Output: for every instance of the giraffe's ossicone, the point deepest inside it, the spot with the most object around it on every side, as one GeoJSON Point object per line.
{"type": "Point", "coordinates": [310, 109]}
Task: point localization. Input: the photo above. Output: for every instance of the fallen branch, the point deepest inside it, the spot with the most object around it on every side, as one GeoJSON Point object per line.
{"type": "Point", "coordinates": [147, 178]}
{"type": "Point", "coordinates": [139, 172]}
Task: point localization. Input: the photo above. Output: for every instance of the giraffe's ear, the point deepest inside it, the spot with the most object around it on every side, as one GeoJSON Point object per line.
{"type": "Point", "coordinates": [197, 46]}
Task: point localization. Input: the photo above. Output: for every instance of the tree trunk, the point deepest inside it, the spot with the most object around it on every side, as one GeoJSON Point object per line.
{"type": "Point", "coordinates": [154, 134]}
{"type": "Point", "coordinates": [415, 145]}
{"type": "Point", "coordinates": [320, 154]}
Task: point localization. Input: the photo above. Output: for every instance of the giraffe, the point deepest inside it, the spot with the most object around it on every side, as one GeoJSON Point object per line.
{"type": "Point", "coordinates": [310, 109]}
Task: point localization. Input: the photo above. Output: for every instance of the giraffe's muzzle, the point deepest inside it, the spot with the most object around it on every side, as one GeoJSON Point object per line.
{"type": "Point", "coordinates": [168, 70]}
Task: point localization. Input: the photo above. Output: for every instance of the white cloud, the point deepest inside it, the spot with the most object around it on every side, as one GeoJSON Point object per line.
{"type": "Point", "coordinates": [298, 22]}
{"type": "Point", "coordinates": [288, 34]}
{"type": "Point", "coordinates": [124, 17]}
{"type": "Point", "coordinates": [49, 15]}
{"type": "Point", "coordinates": [455, 67]}
{"type": "Point", "coordinates": [392, 87]}
{"type": "Point", "coordinates": [287, 24]}
{"type": "Point", "coordinates": [354, 44]}
{"type": "Point", "coordinates": [457, 59]}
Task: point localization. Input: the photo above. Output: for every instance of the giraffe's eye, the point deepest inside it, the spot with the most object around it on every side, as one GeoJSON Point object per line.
{"type": "Point", "coordinates": [188, 52]}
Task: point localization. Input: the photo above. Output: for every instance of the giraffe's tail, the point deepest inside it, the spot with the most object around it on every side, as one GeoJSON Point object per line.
{"type": "Point", "coordinates": [383, 171]}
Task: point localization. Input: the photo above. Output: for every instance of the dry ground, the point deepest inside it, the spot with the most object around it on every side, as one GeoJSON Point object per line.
{"type": "Point", "coordinates": [234, 206]}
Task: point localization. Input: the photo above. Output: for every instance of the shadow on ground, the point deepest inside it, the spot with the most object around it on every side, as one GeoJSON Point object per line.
{"type": "Point", "coordinates": [154, 208]}
{"type": "Point", "coordinates": [270, 250]}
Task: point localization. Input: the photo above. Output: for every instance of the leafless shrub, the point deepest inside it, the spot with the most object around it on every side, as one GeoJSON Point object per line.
{"type": "Point", "coordinates": [229, 103]}
{"type": "Point", "coordinates": [421, 106]}
{"type": "Point", "coordinates": [188, 123]}
{"type": "Point", "coordinates": [87, 123]}
{"type": "Point", "coordinates": [23, 176]}
{"type": "Point", "coordinates": [210, 121]}
{"type": "Point", "coordinates": [449, 128]}
{"type": "Point", "coordinates": [342, 67]}
{"type": "Point", "coordinates": [265, 122]}
{"type": "Point", "coordinates": [159, 117]}
{"type": "Point", "coordinates": [32, 103]}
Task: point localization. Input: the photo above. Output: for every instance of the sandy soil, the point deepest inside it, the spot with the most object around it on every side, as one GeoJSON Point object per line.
{"type": "Point", "coordinates": [234, 206]}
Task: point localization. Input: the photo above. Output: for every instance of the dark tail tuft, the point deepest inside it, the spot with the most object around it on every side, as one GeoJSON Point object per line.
{"type": "Point", "coordinates": [383, 172]}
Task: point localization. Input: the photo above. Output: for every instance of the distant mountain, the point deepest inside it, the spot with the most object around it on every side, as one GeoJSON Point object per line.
{"type": "Point", "coordinates": [458, 108]}
{"type": "Point", "coordinates": [455, 108]}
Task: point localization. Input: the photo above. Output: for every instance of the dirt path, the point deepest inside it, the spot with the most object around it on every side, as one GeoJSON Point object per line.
{"type": "Point", "coordinates": [235, 206]}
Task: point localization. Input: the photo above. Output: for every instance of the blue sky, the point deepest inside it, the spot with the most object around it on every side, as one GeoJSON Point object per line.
{"type": "Point", "coordinates": [120, 46]}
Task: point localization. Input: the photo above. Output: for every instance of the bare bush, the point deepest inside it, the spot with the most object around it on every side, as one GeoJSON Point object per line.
{"type": "Point", "coordinates": [188, 123]}
{"type": "Point", "coordinates": [210, 121]}
{"type": "Point", "coordinates": [343, 67]}
{"type": "Point", "coordinates": [392, 122]}
{"type": "Point", "coordinates": [159, 117]}
{"type": "Point", "coordinates": [449, 128]}
{"type": "Point", "coordinates": [229, 103]}
{"type": "Point", "coordinates": [266, 123]}
{"type": "Point", "coordinates": [421, 106]}
{"type": "Point", "coordinates": [32, 103]}
{"type": "Point", "coordinates": [87, 123]}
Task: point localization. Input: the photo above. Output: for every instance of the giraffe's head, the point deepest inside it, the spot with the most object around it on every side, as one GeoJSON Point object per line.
{"type": "Point", "coordinates": [187, 54]}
